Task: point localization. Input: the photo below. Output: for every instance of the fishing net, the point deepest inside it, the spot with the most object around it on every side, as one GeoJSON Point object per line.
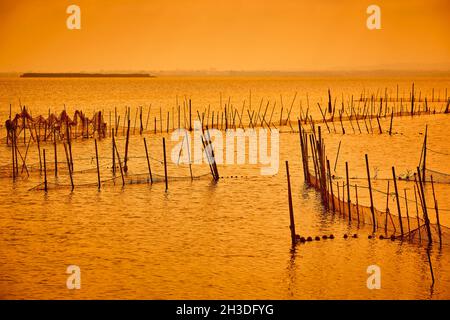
{"type": "Point", "coordinates": [414, 227]}
{"type": "Point", "coordinates": [139, 178]}
{"type": "Point", "coordinates": [43, 129]}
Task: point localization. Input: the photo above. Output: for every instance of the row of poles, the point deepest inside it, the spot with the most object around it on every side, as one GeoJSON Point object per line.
{"type": "Point", "coordinates": [230, 117]}
{"type": "Point", "coordinates": [40, 129]}
{"type": "Point", "coordinates": [322, 180]}
{"type": "Point", "coordinates": [116, 158]}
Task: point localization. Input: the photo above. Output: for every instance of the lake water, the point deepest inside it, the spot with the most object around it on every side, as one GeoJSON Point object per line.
{"type": "Point", "coordinates": [207, 240]}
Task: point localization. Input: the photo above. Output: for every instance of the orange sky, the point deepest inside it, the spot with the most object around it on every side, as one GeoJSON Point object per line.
{"type": "Point", "coordinates": [223, 35]}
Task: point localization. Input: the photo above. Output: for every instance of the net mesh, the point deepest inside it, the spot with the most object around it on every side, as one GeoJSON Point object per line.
{"type": "Point", "coordinates": [414, 228]}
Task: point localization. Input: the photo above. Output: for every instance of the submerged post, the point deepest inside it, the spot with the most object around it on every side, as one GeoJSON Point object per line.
{"type": "Point", "coordinates": [291, 210]}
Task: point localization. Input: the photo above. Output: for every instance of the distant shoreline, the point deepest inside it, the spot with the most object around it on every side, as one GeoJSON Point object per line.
{"type": "Point", "coordinates": [85, 75]}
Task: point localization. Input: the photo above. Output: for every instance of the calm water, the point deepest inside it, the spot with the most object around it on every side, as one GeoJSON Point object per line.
{"type": "Point", "coordinates": [205, 240]}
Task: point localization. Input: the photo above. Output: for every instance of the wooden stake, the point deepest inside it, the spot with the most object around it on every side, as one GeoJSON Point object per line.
{"type": "Point", "coordinates": [417, 214]}
{"type": "Point", "coordinates": [437, 212]}
{"type": "Point", "coordinates": [56, 154]}
{"type": "Point", "coordinates": [68, 165]}
{"type": "Point", "coordinates": [98, 167]}
{"type": "Point", "coordinates": [13, 157]}
{"type": "Point", "coordinates": [45, 172]}
{"type": "Point", "coordinates": [424, 207]}
{"type": "Point", "coordinates": [113, 156]}
{"type": "Point", "coordinates": [337, 156]}
{"type": "Point", "coordinates": [398, 202]}
{"type": "Point", "coordinates": [348, 193]}
{"type": "Point", "coordinates": [165, 162]}
{"type": "Point", "coordinates": [148, 162]}
{"type": "Point", "coordinates": [370, 193]}
{"type": "Point", "coordinates": [331, 186]}
{"type": "Point", "coordinates": [291, 210]}
{"type": "Point", "coordinates": [125, 160]}
{"type": "Point", "coordinates": [357, 202]}
{"type": "Point", "coordinates": [120, 163]}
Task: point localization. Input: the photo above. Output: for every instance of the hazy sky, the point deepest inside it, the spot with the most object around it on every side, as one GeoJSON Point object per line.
{"type": "Point", "coordinates": [223, 35]}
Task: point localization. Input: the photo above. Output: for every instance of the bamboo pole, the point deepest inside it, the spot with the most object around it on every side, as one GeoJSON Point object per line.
{"type": "Point", "coordinates": [120, 163]}
{"type": "Point", "coordinates": [417, 214]}
{"type": "Point", "coordinates": [291, 210]}
{"type": "Point", "coordinates": [431, 266]}
{"type": "Point", "coordinates": [339, 196]}
{"type": "Point", "coordinates": [98, 167]}
{"type": "Point", "coordinates": [337, 156]}
{"type": "Point", "coordinates": [331, 186]}
{"type": "Point", "coordinates": [125, 160]}
{"type": "Point", "coordinates": [370, 193]}
{"type": "Point", "coordinates": [390, 125]}
{"type": "Point", "coordinates": [190, 115]}
{"type": "Point", "coordinates": [387, 209]}
{"type": "Point", "coordinates": [68, 165]}
{"type": "Point", "coordinates": [424, 206]}
{"type": "Point", "coordinates": [113, 156]}
{"type": "Point", "coordinates": [357, 202]}
{"type": "Point", "coordinates": [348, 193]}
{"type": "Point", "coordinates": [13, 157]}
{"type": "Point", "coordinates": [407, 214]}
{"type": "Point", "coordinates": [45, 172]}
{"type": "Point", "coordinates": [189, 154]}
{"type": "Point", "coordinates": [398, 202]}
{"type": "Point", "coordinates": [424, 154]}
{"type": "Point", "coordinates": [165, 162]}
{"type": "Point", "coordinates": [148, 162]}
{"type": "Point", "coordinates": [56, 154]}
{"type": "Point", "coordinates": [437, 212]}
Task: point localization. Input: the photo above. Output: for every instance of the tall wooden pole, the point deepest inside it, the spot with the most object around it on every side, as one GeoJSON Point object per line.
{"type": "Point", "coordinates": [165, 163]}
{"type": "Point", "coordinates": [348, 193]}
{"type": "Point", "coordinates": [398, 202]}
{"type": "Point", "coordinates": [148, 161]}
{"type": "Point", "coordinates": [45, 172]}
{"type": "Point", "coordinates": [291, 209]}
{"type": "Point", "coordinates": [98, 167]}
{"type": "Point", "coordinates": [370, 193]}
